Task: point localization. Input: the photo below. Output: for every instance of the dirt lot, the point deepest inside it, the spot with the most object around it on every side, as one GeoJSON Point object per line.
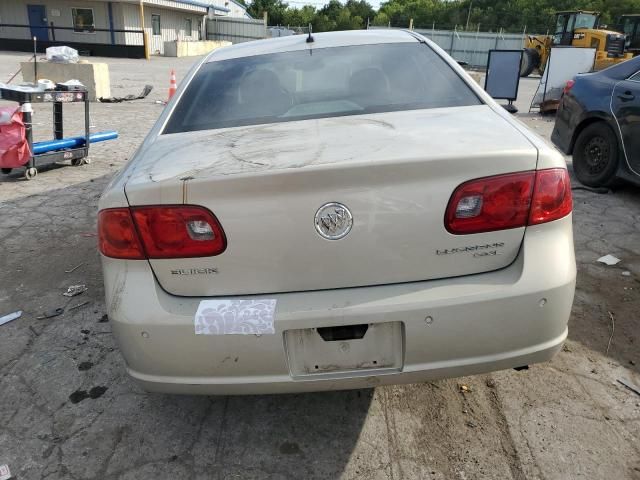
{"type": "Point", "coordinates": [67, 410]}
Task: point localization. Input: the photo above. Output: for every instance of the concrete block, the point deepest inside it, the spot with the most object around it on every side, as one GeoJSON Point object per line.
{"type": "Point", "coordinates": [94, 76]}
{"type": "Point", "coordinates": [178, 48]}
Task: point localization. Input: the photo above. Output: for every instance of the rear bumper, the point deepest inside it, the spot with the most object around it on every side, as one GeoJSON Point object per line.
{"type": "Point", "coordinates": [508, 318]}
{"type": "Point", "coordinates": [241, 385]}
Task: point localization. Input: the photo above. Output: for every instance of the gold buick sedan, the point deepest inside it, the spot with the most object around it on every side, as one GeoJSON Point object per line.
{"type": "Point", "coordinates": [334, 211]}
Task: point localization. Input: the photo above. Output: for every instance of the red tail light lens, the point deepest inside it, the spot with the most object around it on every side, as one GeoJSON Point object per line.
{"type": "Point", "coordinates": [492, 203]}
{"type": "Point", "coordinates": [117, 236]}
{"type": "Point", "coordinates": [167, 231]}
{"type": "Point", "coordinates": [551, 196]}
{"type": "Point", "coordinates": [568, 86]}
{"type": "Point", "coordinates": [179, 231]}
{"type": "Point", "coordinates": [509, 201]}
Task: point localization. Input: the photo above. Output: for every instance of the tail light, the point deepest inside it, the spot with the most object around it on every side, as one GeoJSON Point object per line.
{"type": "Point", "coordinates": [166, 231]}
{"type": "Point", "coordinates": [117, 235]}
{"type": "Point", "coordinates": [509, 201]}
{"type": "Point", "coordinates": [568, 86]}
{"type": "Point", "coordinates": [551, 196]}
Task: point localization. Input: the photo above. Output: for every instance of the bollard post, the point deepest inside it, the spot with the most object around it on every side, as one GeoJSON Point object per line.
{"type": "Point", "coordinates": [35, 60]}
{"type": "Point", "coordinates": [453, 40]}
{"type": "Point", "coordinates": [145, 37]}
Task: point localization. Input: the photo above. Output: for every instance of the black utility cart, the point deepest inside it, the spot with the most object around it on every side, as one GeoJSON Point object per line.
{"type": "Point", "coordinates": [59, 148]}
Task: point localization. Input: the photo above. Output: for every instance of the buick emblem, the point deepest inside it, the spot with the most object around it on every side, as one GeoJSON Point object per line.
{"type": "Point", "coordinates": [333, 221]}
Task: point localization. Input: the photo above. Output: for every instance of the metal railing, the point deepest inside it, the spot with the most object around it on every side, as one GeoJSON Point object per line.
{"type": "Point", "coordinates": [132, 36]}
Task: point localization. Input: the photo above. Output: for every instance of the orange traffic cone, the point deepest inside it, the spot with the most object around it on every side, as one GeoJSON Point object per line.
{"type": "Point", "coordinates": [173, 86]}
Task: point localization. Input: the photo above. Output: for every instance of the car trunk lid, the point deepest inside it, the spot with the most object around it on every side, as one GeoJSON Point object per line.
{"type": "Point", "coordinates": [394, 172]}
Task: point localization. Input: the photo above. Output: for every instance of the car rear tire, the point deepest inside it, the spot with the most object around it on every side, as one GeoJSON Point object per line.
{"type": "Point", "coordinates": [530, 61]}
{"type": "Point", "coordinates": [595, 155]}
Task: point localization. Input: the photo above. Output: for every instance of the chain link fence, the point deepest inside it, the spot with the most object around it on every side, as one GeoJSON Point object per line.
{"type": "Point", "coordinates": [471, 47]}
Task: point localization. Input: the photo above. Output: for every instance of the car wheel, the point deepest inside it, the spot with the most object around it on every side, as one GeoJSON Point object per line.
{"type": "Point", "coordinates": [530, 61]}
{"type": "Point", "coordinates": [595, 155]}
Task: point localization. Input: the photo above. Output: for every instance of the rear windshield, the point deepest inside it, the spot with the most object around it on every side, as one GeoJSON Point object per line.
{"type": "Point", "coordinates": [328, 82]}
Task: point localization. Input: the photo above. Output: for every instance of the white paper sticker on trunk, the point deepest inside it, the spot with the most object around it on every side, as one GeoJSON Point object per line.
{"type": "Point", "coordinates": [5, 474]}
{"type": "Point", "coordinates": [235, 317]}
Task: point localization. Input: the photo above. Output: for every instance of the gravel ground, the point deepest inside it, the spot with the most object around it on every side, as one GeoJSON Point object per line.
{"type": "Point", "coordinates": [68, 411]}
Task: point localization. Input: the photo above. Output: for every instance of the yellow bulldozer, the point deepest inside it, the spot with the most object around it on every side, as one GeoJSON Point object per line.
{"type": "Point", "coordinates": [576, 28]}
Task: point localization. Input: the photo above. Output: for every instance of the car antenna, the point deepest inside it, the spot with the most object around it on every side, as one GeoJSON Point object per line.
{"type": "Point", "coordinates": [310, 38]}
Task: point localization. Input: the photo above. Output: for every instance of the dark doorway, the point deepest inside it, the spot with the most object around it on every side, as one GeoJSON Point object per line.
{"type": "Point", "coordinates": [38, 21]}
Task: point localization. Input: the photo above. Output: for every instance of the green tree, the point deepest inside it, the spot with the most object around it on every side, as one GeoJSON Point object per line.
{"type": "Point", "coordinates": [275, 10]}
{"type": "Point", "coordinates": [381, 20]}
{"type": "Point", "coordinates": [360, 8]}
{"type": "Point", "coordinates": [299, 17]}
{"type": "Point", "coordinates": [345, 21]}
{"type": "Point", "coordinates": [336, 16]}
{"type": "Point", "coordinates": [487, 15]}
{"type": "Point", "coordinates": [331, 9]}
{"type": "Point", "coordinates": [322, 23]}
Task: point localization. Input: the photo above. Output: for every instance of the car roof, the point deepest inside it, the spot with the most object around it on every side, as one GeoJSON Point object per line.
{"type": "Point", "coordinates": [621, 71]}
{"type": "Point", "coordinates": [320, 40]}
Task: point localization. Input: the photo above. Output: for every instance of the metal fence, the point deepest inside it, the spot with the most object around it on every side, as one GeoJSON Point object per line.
{"type": "Point", "coordinates": [472, 47]}
{"type": "Point", "coordinates": [236, 30]}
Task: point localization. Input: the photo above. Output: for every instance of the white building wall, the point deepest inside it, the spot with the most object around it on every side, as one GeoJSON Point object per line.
{"type": "Point", "coordinates": [172, 25]}
{"type": "Point", "coordinates": [131, 21]}
{"type": "Point", "coordinates": [237, 10]}
{"type": "Point", "coordinates": [16, 13]}
{"type": "Point", "coordinates": [58, 12]}
{"type": "Point", "coordinates": [119, 24]}
{"type": "Point", "coordinates": [125, 16]}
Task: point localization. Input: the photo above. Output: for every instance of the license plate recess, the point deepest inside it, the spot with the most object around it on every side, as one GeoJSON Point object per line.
{"type": "Point", "coordinates": [379, 351]}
